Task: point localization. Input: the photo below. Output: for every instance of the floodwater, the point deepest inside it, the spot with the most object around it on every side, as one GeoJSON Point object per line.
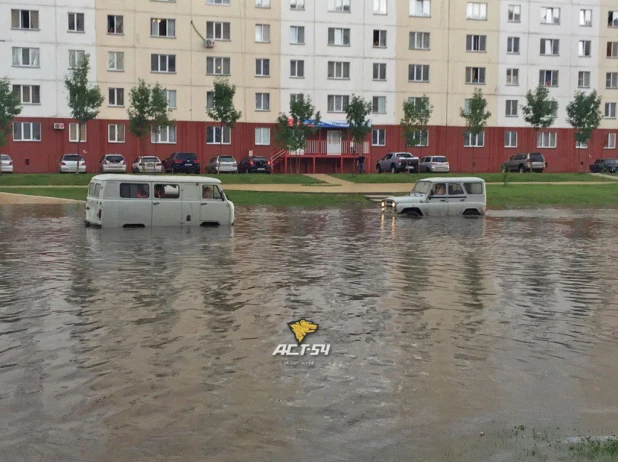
{"type": "Point", "coordinates": [129, 345]}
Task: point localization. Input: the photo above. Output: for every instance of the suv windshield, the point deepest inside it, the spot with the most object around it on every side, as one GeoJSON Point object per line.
{"type": "Point", "coordinates": [438, 159]}
{"type": "Point", "coordinates": [536, 158]}
{"type": "Point", "coordinates": [404, 154]}
{"type": "Point", "coordinates": [227, 159]}
{"type": "Point", "coordinates": [114, 158]}
{"type": "Point", "coordinates": [73, 157]}
{"type": "Point", "coordinates": [186, 156]}
{"type": "Point", "coordinates": [422, 187]}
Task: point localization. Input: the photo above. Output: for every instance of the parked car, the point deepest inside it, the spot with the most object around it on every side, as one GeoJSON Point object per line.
{"type": "Point", "coordinates": [184, 162]}
{"type": "Point", "coordinates": [147, 164]}
{"type": "Point", "coordinates": [529, 162]}
{"type": "Point", "coordinates": [227, 165]}
{"type": "Point", "coordinates": [68, 164]}
{"type": "Point", "coordinates": [6, 164]}
{"type": "Point", "coordinates": [396, 162]}
{"type": "Point", "coordinates": [113, 163]}
{"type": "Point", "coordinates": [254, 164]}
{"type": "Point", "coordinates": [440, 197]}
{"type": "Point", "coordinates": [604, 166]}
{"type": "Point", "coordinates": [435, 164]}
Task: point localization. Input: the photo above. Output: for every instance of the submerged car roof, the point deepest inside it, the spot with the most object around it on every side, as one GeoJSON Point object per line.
{"type": "Point", "coordinates": [156, 178]}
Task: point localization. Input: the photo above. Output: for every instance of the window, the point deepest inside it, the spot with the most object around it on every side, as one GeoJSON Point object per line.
{"type": "Point", "coordinates": [28, 94]}
{"type": "Point", "coordinates": [171, 99]}
{"type": "Point", "coordinates": [213, 135]}
{"type": "Point", "coordinates": [612, 19]}
{"type": "Point", "coordinates": [379, 39]}
{"type": "Point", "coordinates": [338, 70]}
{"type": "Point", "coordinates": [585, 48]}
{"type": "Point", "coordinates": [134, 191]}
{"type": "Point", "coordinates": [420, 138]}
{"type": "Point", "coordinates": [415, 100]}
{"type": "Point", "coordinates": [116, 97]}
{"type": "Point", "coordinates": [585, 18]}
{"type": "Point", "coordinates": [297, 4]}
{"type": "Point", "coordinates": [75, 58]}
{"type": "Point", "coordinates": [548, 78]}
{"type": "Point", "coordinates": [512, 45]}
{"type": "Point", "coordinates": [296, 97]}
{"type": "Point", "coordinates": [550, 47]}
{"type": "Point", "coordinates": [339, 5]}
{"type": "Point", "coordinates": [262, 67]}
{"type": "Point", "coordinates": [511, 108]}
{"type": "Point", "coordinates": [163, 63]}
{"type": "Point", "coordinates": [167, 191]}
{"type": "Point", "coordinates": [26, 131]}
{"type": "Point", "coordinates": [420, 8]}
{"type": "Point", "coordinates": [217, 66]}
{"type": "Point", "coordinates": [162, 27]}
{"type": "Point", "coordinates": [297, 35]}
{"type": "Point", "coordinates": [583, 79]}
{"type": "Point", "coordinates": [550, 15]}
{"type": "Point", "coordinates": [218, 30]}
{"type": "Point", "coordinates": [580, 145]}
{"type": "Point", "coordinates": [25, 19]}
{"type": "Point", "coordinates": [514, 13]}
{"type": "Point", "coordinates": [419, 40]}
{"type": "Point", "coordinates": [27, 57]}
{"type": "Point", "coordinates": [262, 101]}
{"type": "Point", "coordinates": [379, 71]}
{"type": "Point", "coordinates": [297, 68]}
{"type": "Point", "coordinates": [379, 104]}
{"type": "Point", "coordinates": [610, 110]}
{"type": "Point", "coordinates": [378, 137]}
{"type": "Point", "coordinates": [217, 2]}
{"type": "Point", "coordinates": [76, 22]}
{"type": "Point", "coordinates": [262, 136]}
{"type": "Point", "coordinates": [612, 49]}
{"type": "Point", "coordinates": [262, 33]}
{"type": "Point", "coordinates": [338, 37]}
{"type": "Point", "coordinates": [611, 80]}
{"type": "Point", "coordinates": [455, 189]}
{"type": "Point", "coordinates": [512, 76]}
{"type": "Point", "coordinates": [546, 140]}
{"type": "Point", "coordinates": [262, 3]}
{"type": "Point", "coordinates": [474, 141]}
{"type": "Point", "coordinates": [476, 43]}
{"type": "Point", "coordinates": [379, 6]}
{"type": "Point", "coordinates": [418, 73]}
{"type": "Point", "coordinates": [510, 139]}
{"type": "Point", "coordinates": [164, 135]}
{"type": "Point", "coordinates": [610, 141]}
{"type": "Point", "coordinates": [115, 133]}
{"type": "Point", "coordinates": [475, 75]}
{"type": "Point", "coordinates": [338, 103]}
{"type": "Point", "coordinates": [210, 99]}
{"type": "Point", "coordinates": [75, 131]}
{"type": "Point", "coordinates": [115, 61]}
{"type": "Point", "coordinates": [115, 24]}
{"type": "Point", "coordinates": [476, 11]}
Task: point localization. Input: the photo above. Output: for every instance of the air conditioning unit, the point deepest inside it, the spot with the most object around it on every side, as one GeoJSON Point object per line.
{"type": "Point", "coordinates": [209, 43]}
{"type": "Point", "coordinates": [58, 126]}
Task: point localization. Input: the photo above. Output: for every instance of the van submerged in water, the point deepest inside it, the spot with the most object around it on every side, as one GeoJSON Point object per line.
{"type": "Point", "coordinates": [139, 201]}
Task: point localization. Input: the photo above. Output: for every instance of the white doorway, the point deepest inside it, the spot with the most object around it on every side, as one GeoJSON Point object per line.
{"type": "Point", "coordinates": [333, 142]}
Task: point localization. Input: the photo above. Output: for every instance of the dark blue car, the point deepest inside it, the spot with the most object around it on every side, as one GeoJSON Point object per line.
{"type": "Point", "coordinates": [182, 162]}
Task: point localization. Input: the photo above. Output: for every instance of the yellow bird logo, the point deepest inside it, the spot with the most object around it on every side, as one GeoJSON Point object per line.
{"type": "Point", "coordinates": [301, 328]}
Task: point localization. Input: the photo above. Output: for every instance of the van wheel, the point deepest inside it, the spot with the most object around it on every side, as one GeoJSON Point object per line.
{"type": "Point", "coordinates": [393, 168]}
{"type": "Point", "coordinates": [521, 169]}
{"type": "Point", "coordinates": [414, 213]}
{"type": "Point", "coordinates": [471, 213]}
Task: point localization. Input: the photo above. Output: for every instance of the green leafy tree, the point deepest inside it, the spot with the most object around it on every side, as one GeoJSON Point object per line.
{"type": "Point", "coordinates": [584, 115]}
{"type": "Point", "coordinates": [159, 110]}
{"type": "Point", "coordinates": [539, 108]}
{"type": "Point", "coordinates": [359, 126]}
{"type": "Point", "coordinates": [85, 100]}
{"type": "Point", "coordinates": [292, 131]}
{"type": "Point", "coordinates": [475, 116]}
{"type": "Point", "coordinates": [9, 109]}
{"type": "Point", "coordinates": [223, 110]}
{"type": "Point", "coordinates": [416, 115]}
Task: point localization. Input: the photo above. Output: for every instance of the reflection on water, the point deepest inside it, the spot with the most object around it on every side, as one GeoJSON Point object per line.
{"type": "Point", "coordinates": [157, 344]}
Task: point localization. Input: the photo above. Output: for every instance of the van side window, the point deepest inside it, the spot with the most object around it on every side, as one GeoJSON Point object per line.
{"type": "Point", "coordinates": [474, 188]}
{"type": "Point", "coordinates": [455, 189]}
{"type": "Point", "coordinates": [97, 190]}
{"type": "Point", "coordinates": [91, 188]}
{"type": "Point", "coordinates": [134, 191]}
{"type": "Point", "coordinates": [167, 191]}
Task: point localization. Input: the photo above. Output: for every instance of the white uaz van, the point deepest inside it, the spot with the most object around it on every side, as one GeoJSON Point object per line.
{"type": "Point", "coordinates": [138, 201]}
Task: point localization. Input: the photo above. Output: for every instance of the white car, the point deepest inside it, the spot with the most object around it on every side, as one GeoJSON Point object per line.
{"type": "Point", "coordinates": [441, 197]}
{"type": "Point", "coordinates": [223, 164]}
{"type": "Point", "coordinates": [434, 164]}
{"type": "Point", "coordinates": [147, 164]}
{"type": "Point", "coordinates": [6, 163]}
{"type": "Point", "coordinates": [113, 163]}
{"type": "Point", "coordinates": [68, 164]}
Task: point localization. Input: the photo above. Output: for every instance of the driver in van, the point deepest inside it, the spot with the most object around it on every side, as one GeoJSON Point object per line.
{"type": "Point", "coordinates": [439, 189]}
{"type": "Point", "coordinates": [206, 192]}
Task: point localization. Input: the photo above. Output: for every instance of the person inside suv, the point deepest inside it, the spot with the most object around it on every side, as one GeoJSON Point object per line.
{"type": "Point", "coordinates": [439, 189]}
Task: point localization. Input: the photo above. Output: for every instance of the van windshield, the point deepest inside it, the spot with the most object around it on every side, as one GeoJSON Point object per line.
{"type": "Point", "coordinates": [422, 187]}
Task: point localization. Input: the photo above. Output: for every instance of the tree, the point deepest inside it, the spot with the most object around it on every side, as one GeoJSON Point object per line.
{"type": "Point", "coordinates": [476, 116]}
{"type": "Point", "coordinates": [416, 115]}
{"type": "Point", "coordinates": [584, 115]}
{"type": "Point", "coordinates": [293, 130]}
{"type": "Point", "coordinates": [9, 109]}
{"type": "Point", "coordinates": [359, 126]}
{"type": "Point", "coordinates": [223, 110]}
{"type": "Point", "coordinates": [84, 99]}
{"type": "Point", "coordinates": [539, 109]}
{"type": "Point", "coordinates": [159, 110]}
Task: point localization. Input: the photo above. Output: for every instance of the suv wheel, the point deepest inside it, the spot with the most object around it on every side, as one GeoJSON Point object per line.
{"type": "Point", "coordinates": [393, 168]}
{"type": "Point", "coordinates": [521, 169]}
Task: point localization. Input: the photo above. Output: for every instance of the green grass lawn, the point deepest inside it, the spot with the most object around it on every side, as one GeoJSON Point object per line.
{"type": "Point", "coordinates": [64, 193]}
{"type": "Point", "coordinates": [489, 177]}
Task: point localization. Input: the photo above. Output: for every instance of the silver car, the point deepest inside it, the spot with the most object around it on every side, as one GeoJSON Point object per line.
{"type": "Point", "coordinates": [222, 164]}
{"type": "Point", "coordinates": [395, 162]}
{"type": "Point", "coordinates": [147, 164]}
{"type": "Point", "coordinates": [434, 164]}
{"type": "Point", "coordinates": [69, 164]}
{"type": "Point", "coordinates": [6, 163]}
{"type": "Point", "coordinates": [113, 163]}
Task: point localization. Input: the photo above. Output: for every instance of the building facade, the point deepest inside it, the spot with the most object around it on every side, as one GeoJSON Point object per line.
{"type": "Point", "coordinates": [386, 51]}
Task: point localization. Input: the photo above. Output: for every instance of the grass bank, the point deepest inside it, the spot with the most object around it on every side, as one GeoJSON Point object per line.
{"type": "Point", "coordinates": [489, 177]}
